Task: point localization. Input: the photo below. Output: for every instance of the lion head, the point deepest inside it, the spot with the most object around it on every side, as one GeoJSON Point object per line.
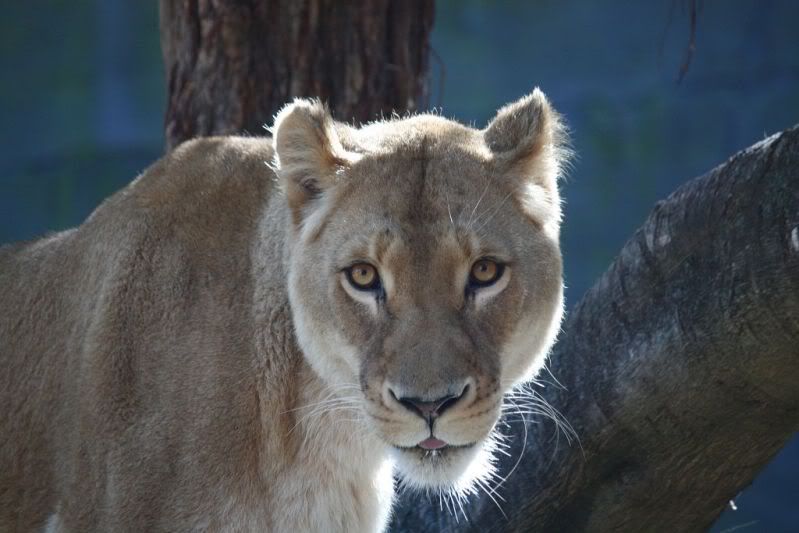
{"type": "Point", "coordinates": [424, 270]}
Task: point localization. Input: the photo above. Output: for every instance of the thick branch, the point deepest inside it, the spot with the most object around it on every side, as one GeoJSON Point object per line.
{"type": "Point", "coordinates": [680, 366]}
{"type": "Point", "coordinates": [230, 64]}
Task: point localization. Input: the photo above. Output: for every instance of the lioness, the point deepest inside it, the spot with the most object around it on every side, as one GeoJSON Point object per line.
{"type": "Point", "coordinates": [256, 333]}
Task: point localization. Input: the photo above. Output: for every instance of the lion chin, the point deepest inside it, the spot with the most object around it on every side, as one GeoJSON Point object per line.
{"type": "Point", "coordinates": [455, 469]}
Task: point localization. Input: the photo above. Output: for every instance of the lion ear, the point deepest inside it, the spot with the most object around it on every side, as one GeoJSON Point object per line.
{"type": "Point", "coordinates": [527, 141]}
{"type": "Point", "coordinates": [308, 153]}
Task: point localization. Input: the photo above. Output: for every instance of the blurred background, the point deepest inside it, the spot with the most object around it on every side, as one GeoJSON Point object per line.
{"type": "Point", "coordinates": [83, 97]}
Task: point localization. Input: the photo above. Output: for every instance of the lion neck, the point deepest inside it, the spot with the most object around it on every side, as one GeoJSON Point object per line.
{"type": "Point", "coordinates": [327, 471]}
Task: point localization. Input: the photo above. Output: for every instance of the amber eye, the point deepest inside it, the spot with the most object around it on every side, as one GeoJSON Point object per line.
{"type": "Point", "coordinates": [363, 276]}
{"type": "Point", "coordinates": [485, 272]}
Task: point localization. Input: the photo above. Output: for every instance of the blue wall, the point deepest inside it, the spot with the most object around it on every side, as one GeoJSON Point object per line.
{"type": "Point", "coordinates": [83, 97]}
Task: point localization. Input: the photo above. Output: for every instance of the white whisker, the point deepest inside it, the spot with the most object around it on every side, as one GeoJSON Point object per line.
{"type": "Point", "coordinates": [469, 222]}
{"type": "Point", "coordinates": [493, 213]}
{"type": "Point", "coordinates": [521, 454]}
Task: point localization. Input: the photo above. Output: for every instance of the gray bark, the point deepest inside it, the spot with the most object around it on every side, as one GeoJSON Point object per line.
{"type": "Point", "coordinates": [680, 368]}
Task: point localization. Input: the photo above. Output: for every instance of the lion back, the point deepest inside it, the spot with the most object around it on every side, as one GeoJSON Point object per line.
{"type": "Point", "coordinates": [101, 325]}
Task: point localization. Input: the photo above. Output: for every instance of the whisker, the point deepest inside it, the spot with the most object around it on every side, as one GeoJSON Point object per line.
{"type": "Point", "coordinates": [449, 211]}
{"type": "Point", "coordinates": [463, 511]}
{"type": "Point", "coordinates": [324, 403]}
{"type": "Point", "coordinates": [448, 502]}
{"type": "Point", "coordinates": [488, 493]}
{"type": "Point", "coordinates": [494, 212]}
{"type": "Point", "coordinates": [469, 222]}
{"type": "Point", "coordinates": [521, 454]}
{"type": "Point", "coordinates": [549, 371]}
{"type": "Point", "coordinates": [536, 404]}
{"type": "Point", "coordinates": [319, 413]}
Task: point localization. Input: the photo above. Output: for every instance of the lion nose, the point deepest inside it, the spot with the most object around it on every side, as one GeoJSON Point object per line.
{"type": "Point", "coordinates": [430, 409]}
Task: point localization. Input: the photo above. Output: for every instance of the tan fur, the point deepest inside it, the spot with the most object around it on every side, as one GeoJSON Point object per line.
{"type": "Point", "coordinates": [192, 358]}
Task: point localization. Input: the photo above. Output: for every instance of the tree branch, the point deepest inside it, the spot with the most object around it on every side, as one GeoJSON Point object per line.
{"type": "Point", "coordinates": [680, 367]}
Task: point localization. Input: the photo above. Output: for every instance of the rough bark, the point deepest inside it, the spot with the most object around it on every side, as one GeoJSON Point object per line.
{"type": "Point", "coordinates": [680, 367]}
{"type": "Point", "coordinates": [231, 64]}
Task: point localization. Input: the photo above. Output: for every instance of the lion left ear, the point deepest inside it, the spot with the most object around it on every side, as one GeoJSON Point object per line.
{"type": "Point", "coordinates": [527, 141]}
{"type": "Point", "coordinates": [308, 153]}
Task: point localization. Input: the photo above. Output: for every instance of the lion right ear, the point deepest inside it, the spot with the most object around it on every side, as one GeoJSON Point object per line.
{"type": "Point", "coordinates": [308, 153]}
{"type": "Point", "coordinates": [527, 142]}
{"type": "Point", "coordinates": [528, 137]}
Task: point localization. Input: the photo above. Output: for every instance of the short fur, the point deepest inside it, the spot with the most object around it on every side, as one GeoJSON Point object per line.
{"type": "Point", "coordinates": [192, 356]}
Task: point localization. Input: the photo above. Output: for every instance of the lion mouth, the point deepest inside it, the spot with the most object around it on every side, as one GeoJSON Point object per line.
{"type": "Point", "coordinates": [448, 467]}
{"type": "Point", "coordinates": [432, 443]}
{"type": "Point", "coordinates": [433, 447]}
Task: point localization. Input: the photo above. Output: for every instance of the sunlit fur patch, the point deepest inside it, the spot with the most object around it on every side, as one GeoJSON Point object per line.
{"type": "Point", "coordinates": [530, 337]}
{"type": "Point", "coordinates": [325, 347]}
{"type": "Point", "coordinates": [543, 207]}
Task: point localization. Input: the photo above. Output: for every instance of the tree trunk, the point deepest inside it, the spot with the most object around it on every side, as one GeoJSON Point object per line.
{"type": "Point", "coordinates": [232, 64]}
{"type": "Point", "coordinates": [679, 368]}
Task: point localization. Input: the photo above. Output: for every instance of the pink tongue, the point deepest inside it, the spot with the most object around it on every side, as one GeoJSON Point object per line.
{"type": "Point", "coordinates": [432, 444]}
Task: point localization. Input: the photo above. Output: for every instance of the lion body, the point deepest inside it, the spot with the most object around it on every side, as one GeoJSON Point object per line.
{"type": "Point", "coordinates": [197, 356]}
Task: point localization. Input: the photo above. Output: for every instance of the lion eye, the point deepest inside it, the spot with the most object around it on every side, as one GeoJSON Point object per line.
{"type": "Point", "coordinates": [485, 272]}
{"type": "Point", "coordinates": [363, 276]}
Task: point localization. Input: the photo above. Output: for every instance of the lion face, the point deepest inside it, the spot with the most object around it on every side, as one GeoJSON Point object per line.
{"type": "Point", "coordinates": [425, 271]}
